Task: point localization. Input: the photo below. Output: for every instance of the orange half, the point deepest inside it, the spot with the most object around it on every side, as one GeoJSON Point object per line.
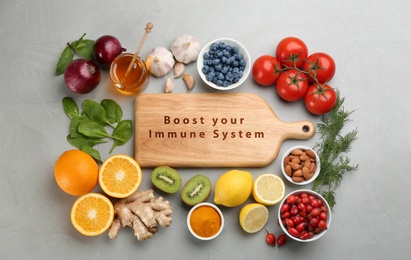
{"type": "Point", "coordinates": [120, 176]}
{"type": "Point", "coordinates": [92, 214]}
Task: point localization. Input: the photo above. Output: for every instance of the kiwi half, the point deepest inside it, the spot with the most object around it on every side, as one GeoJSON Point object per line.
{"type": "Point", "coordinates": [166, 179]}
{"type": "Point", "coordinates": [196, 190]}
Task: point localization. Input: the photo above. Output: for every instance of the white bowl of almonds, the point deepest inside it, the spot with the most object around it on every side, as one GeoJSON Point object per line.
{"type": "Point", "coordinates": [300, 165]}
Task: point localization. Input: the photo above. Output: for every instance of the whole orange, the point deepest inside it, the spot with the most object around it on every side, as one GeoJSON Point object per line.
{"type": "Point", "coordinates": [76, 172]}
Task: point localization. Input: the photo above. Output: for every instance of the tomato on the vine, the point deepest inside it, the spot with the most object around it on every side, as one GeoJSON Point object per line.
{"type": "Point", "coordinates": [320, 99]}
{"type": "Point", "coordinates": [290, 50]}
{"type": "Point", "coordinates": [266, 70]}
{"type": "Point", "coordinates": [321, 66]}
{"type": "Point", "coordinates": [292, 85]}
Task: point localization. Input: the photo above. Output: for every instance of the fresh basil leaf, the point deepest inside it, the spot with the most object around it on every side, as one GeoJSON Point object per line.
{"type": "Point", "coordinates": [113, 110]}
{"type": "Point", "coordinates": [78, 142]}
{"type": "Point", "coordinates": [92, 152]}
{"type": "Point", "coordinates": [65, 58]}
{"type": "Point", "coordinates": [95, 112]}
{"type": "Point", "coordinates": [70, 107]}
{"type": "Point", "coordinates": [85, 49]}
{"type": "Point", "coordinates": [122, 133]}
{"type": "Point", "coordinates": [92, 129]}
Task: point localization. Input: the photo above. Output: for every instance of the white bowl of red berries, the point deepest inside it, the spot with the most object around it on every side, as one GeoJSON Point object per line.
{"type": "Point", "coordinates": [304, 215]}
{"type": "Point", "coordinates": [224, 64]}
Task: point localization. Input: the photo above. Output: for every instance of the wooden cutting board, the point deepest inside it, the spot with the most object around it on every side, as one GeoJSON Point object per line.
{"type": "Point", "coordinates": [210, 130]}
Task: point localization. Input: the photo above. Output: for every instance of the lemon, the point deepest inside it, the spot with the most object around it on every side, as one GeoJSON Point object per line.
{"type": "Point", "coordinates": [233, 188]}
{"type": "Point", "coordinates": [253, 217]}
{"type": "Point", "coordinates": [268, 189]}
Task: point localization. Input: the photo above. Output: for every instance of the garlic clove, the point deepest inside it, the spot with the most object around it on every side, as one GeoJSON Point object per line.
{"type": "Point", "coordinates": [189, 80]}
{"type": "Point", "coordinates": [169, 87]}
{"type": "Point", "coordinates": [179, 69]}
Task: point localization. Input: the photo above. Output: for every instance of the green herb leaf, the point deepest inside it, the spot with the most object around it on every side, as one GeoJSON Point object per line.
{"type": "Point", "coordinates": [84, 49]}
{"type": "Point", "coordinates": [92, 129]}
{"type": "Point", "coordinates": [75, 121]}
{"type": "Point", "coordinates": [332, 150]}
{"type": "Point", "coordinates": [70, 107]}
{"type": "Point", "coordinates": [123, 132]}
{"type": "Point", "coordinates": [95, 112]}
{"type": "Point", "coordinates": [78, 142]}
{"type": "Point", "coordinates": [65, 58]}
{"type": "Point", "coordinates": [113, 110]}
{"type": "Point", "coordinates": [92, 152]}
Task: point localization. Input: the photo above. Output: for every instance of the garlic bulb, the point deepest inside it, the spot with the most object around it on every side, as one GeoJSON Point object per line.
{"type": "Point", "coordinates": [159, 61]}
{"type": "Point", "coordinates": [185, 48]}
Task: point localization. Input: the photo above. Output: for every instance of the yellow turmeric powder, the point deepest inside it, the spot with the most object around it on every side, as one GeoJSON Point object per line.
{"type": "Point", "coordinates": [205, 221]}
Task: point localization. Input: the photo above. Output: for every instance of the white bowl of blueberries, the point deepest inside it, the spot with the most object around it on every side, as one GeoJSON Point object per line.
{"type": "Point", "coordinates": [224, 64]}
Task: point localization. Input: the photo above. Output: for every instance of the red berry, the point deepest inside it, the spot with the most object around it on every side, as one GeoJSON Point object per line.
{"type": "Point", "coordinates": [270, 238]}
{"type": "Point", "coordinates": [294, 232]}
{"type": "Point", "coordinates": [284, 208]}
{"type": "Point", "coordinates": [281, 240]}
{"type": "Point", "coordinates": [291, 199]}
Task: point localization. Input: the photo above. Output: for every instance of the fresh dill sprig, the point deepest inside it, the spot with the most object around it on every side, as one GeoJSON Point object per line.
{"type": "Point", "coordinates": [332, 149]}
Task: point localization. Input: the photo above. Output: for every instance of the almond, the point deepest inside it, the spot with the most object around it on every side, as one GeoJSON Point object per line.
{"type": "Point", "coordinates": [313, 167]}
{"type": "Point", "coordinates": [296, 160]}
{"type": "Point", "coordinates": [297, 152]}
{"type": "Point", "coordinates": [295, 166]}
{"type": "Point", "coordinates": [288, 170]}
{"type": "Point", "coordinates": [304, 157]}
{"type": "Point", "coordinates": [306, 173]}
{"type": "Point", "coordinates": [310, 153]}
{"type": "Point", "coordinates": [286, 161]}
{"type": "Point", "coordinates": [298, 173]}
{"type": "Point", "coordinates": [297, 179]}
{"type": "Point", "coordinates": [307, 164]}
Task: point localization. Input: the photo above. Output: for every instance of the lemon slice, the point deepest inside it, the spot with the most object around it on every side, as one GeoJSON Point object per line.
{"type": "Point", "coordinates": [92, 214]}
{"type": "Point", "coordinates": [253, 217]}
{"type": "Point", "coordinates": [268, 189]}
{"type": "Point", "coordinates": [120, 176]}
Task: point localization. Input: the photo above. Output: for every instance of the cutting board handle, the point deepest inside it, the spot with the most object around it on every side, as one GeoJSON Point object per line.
{"type": "Point", "coordinates": [299, 130]}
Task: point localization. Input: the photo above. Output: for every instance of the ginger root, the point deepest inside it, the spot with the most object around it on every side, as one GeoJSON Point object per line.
{"type": "Point", "coordinates": [142, 212]}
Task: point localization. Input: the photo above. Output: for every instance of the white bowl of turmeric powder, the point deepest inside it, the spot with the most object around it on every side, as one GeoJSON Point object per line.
{"type": "Point", "coordinates": [205, 221]}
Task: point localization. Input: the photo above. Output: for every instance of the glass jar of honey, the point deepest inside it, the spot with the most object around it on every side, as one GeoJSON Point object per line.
{"type": "Point", "coordinates": [128, 83]}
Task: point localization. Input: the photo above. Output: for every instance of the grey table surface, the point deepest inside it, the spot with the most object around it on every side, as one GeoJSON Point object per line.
{"type": "Point", "coordinates": [371, 44]}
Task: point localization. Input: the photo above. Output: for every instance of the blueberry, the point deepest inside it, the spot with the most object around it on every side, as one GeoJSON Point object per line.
{"type": "Point", "coordinates": [221, 45]}
{"type": "Point", "coordinates": [209, 62]}
{"type": "Point", "coordinates": [238, 56]}
{"type": "Point", "coordinates": [218, 67]}
{"type": "Point", "coordinates": [216, 61]}
{"type": "Point", "coordinates": [205, 69]}
{"type": "Point", "coordinates": [243, 63]}
{"type": "Point", "coordinates": [213, 46]}
{"type": "Point", "coordinates": [219, 53]}
{"type": "Point", "coordinates": [225, 69]}
{"type": "Point", "coordinates": [206, 55]}
{"type": "Point", "coordinates": [223, 59]}
{"type": "Point", "coordinates": [226, 83]}
{"type": "Point", "coordinates": [234, 50]}
{"type": "Point", "coordinates": [235, 64]}
{"type": "Point", "coordinates": [219, 82]}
